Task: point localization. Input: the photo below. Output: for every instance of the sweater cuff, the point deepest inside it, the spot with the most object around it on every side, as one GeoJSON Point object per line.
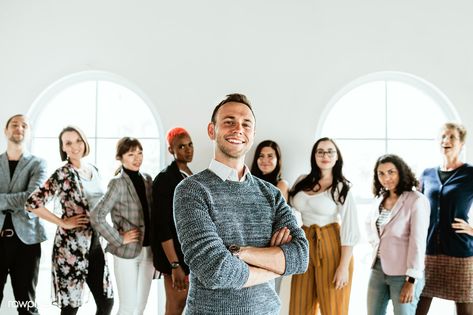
{"type": "Point", "coordinates": [414, 273]}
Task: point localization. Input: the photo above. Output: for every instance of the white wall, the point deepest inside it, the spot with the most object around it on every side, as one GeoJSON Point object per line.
{"type": "Point", "coordinates": [289, 57]}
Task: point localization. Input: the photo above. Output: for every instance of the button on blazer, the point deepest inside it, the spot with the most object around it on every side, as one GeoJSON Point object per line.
{"type": "Point", "coordinates": [402, 240]}
{"type": "Point", "coordinates": [29, 174]}
{"type": "Point", "coordinates": [122, 202]}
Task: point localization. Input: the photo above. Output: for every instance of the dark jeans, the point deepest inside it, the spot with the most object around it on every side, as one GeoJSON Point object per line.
{"type": "Point", "coordinates": [95, 281]}
{"type": "Point", "coordinates": [21, 261]}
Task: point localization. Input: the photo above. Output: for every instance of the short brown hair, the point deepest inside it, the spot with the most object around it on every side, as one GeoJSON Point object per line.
{"type": "Point", "coordinates": [81, 135]}
{"type": "Point", "coordinates": [235, 97]}
{"type": "Point", "coordinates": [126, 144]}
{"type": "Point", "coordinates": [11, 118]}
{"type": "Point", "coordinates": [458, 127]}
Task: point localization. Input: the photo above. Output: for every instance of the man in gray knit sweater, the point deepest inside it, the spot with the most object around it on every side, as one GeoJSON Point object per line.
{"type": "Point", "coordinates": [236, 231]}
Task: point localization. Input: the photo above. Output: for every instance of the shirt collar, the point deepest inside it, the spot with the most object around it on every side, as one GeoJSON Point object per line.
{"type": "Point", "coordinates": [226, 172]}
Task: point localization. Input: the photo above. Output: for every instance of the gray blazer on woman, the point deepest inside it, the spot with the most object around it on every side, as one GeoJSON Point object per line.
{"type": "Point", "coordinates": [29, 174]}
{"type": "Point", "coordinates": [122, 202]}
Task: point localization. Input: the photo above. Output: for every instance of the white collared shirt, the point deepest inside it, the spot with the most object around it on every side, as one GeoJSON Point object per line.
{"type": "Point", "coordinates": [226, 172]}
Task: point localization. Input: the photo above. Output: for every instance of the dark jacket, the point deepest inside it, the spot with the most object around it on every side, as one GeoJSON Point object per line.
{"type": "Point", "coordinates": [162, 218]}
{"type": "Point", "coordinates": [451, 200]}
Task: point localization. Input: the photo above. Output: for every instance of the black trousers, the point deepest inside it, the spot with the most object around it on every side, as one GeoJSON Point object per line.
{"type": "Point", "coordinates": [95, 281]}
{"type": "Point", "coordinates": [21, 261]}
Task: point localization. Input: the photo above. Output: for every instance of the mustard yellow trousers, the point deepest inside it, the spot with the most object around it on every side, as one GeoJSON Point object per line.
{"type": "Point", "coordinates": [314, 289]}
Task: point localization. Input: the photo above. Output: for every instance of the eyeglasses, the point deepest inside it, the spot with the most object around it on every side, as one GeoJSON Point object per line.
{"type": "Point", "coordinates": [321, 153]}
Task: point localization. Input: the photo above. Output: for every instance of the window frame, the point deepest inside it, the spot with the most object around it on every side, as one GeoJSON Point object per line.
{"type": "Point", "coordinates": [92, 75]}
{"type": "Point", "coordinates": [423, 85]}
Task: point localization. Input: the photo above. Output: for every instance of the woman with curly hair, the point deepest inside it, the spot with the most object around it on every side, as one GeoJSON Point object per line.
{"type": "Point", "coordinates": [397, 230]}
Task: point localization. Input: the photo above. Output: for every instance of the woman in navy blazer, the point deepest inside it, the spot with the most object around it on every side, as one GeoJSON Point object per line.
{"type": "Point", "coordinates": [449, 259]}
{"type": "Point", "coordinates": [397, 229]}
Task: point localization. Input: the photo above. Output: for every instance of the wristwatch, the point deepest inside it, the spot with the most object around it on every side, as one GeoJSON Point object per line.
{"type": "Point", "coordinates": [175, 265]}
{"type": "Point", "coordinates": [410, 279]}
{"type": "Point", "coordinates": [234, 250]}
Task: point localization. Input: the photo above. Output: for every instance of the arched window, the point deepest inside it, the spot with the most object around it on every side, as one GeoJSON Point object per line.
{"type": "Point", "coordinates": [106, 107]}
{"type": "Point", "coordinates": [385, 112]}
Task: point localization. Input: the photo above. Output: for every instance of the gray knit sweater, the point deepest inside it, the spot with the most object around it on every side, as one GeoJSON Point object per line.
{"type": "Point", "coordinates": [210, 215]}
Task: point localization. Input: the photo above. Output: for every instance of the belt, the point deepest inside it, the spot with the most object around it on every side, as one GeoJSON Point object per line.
{"type": "Point", "coordinates": [7, 233]}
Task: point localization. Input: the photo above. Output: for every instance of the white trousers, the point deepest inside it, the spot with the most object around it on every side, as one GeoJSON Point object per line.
{"type": "Point", "coordinates": [133, 277]}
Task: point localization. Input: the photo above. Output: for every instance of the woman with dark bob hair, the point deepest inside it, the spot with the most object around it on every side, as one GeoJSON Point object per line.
{"type": "Point", "coordinates": [330, 221]}
{"type": "Point", "coordinates": [397, 230]}
{"type": "Point", "coordinates": [128, 200]}
{"type": "Point", "coordinates": [267, 165]}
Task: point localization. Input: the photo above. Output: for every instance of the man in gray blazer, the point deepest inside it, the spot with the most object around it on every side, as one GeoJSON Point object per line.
{"type": "Point", "coordinates": [21, 232]}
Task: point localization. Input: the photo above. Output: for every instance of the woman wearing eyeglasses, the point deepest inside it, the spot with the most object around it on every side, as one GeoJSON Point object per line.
{"type": "Point", "coordinates": [329, 218]}
{"type": "Point", "coordinates": [449, 255]}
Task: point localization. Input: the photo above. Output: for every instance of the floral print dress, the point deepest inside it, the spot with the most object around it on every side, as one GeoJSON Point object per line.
{"type": "Point", "coordinates": [71, 247]}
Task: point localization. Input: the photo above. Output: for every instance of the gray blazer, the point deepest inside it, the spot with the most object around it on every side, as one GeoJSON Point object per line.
{"type": "Point", "coordinates": [123, 203]}
{"type": "Point", "coordinates": [29, 174]}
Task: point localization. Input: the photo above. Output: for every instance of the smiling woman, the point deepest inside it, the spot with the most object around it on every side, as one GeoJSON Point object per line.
{"type": "Point", "coordinates": [130, 236]}
{"type": "Point", "coordinates": [329, 217]}
{"type": "Point", "coordinates": [267, 165]}
{"type": "Point", "coordinates": [449, 260]}
{"type": "Point", "coordinates": [77, 256]}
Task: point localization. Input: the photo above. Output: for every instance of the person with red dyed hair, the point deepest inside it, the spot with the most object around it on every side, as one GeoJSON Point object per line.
{"type": "Point", "coordinates": [168, 257]}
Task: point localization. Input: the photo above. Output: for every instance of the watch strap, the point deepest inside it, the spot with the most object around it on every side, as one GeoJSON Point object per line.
{"type": "Point", "coordinates": [410, 279]}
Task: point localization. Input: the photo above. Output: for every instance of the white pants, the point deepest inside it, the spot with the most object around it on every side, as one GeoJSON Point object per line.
{"type": "Point", "coordinates": [134, 278]}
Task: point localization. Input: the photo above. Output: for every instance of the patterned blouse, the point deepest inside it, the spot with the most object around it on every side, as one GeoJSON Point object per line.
{"type": "Point", "coordinates": [71, 247]}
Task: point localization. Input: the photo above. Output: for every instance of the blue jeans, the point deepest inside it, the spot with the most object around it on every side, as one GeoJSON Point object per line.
{"type": "Point", "coordinates": [382, 288]}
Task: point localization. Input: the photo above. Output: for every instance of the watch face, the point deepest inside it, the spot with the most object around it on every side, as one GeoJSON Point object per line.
{"type": "Point", "coordinates": [411, 279]}
{"type": "Point", "coordinates": [174, 265]}
{"type": "Point", "coordinates": [234, 249]}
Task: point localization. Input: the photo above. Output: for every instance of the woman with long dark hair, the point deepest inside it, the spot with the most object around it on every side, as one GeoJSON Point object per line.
{"type": "Point", "coordinates": [267, 164]}
{"type": "Point", "coordinates": [329, 218]}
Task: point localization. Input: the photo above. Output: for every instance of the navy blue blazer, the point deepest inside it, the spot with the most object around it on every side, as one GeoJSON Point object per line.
{"type": "Point", "coordinates": [451, 200]}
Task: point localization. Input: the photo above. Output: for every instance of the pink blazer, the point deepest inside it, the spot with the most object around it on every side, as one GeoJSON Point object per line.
{"type": "Point", "coordinates": [402, 241]}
